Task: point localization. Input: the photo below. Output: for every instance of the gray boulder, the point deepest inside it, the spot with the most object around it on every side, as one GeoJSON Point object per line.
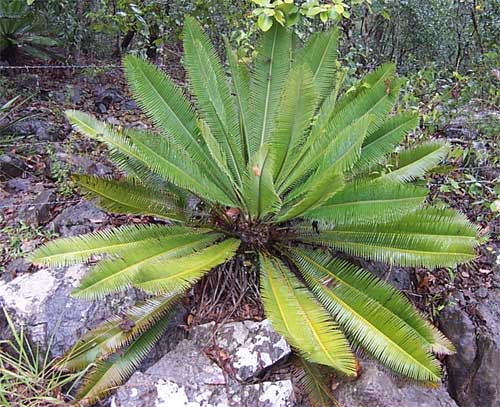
{"type": "Point", "coordinates": [209, 369]}
{"type": "Point", "coordinates": [377, 388]}
{"type": "Point", "coordinates": [473, 371]}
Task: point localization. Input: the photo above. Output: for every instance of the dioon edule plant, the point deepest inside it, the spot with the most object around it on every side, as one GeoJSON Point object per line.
{"type": "Point", "coordinates": [277, 163]}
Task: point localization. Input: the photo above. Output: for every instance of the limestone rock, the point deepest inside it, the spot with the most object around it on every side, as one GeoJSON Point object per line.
{"type": "Point", "coordinates": [378, 388]}
{"type": "Point", "coordinates": [189, 376]}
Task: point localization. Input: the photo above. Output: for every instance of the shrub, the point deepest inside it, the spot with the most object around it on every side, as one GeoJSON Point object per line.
{"type": "Point", "coordinates": [275, 166]}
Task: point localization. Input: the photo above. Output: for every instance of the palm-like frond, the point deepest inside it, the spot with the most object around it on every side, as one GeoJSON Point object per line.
{"type": "Point", "coordinates": [267, 81]}
{"type": "Point", "coordinates": [118, 331]}
{"type": "Point", "coordinates": [297, 108]}
{"type": "Point", "coordinates": [129, 196]}
{"type": "Point", "coordinates": [116, 274]}
{"type": "Point", "coordinates": [152, 152]}
{"type": "Point", "coordinates": [109, 374]}
{"type": "Point", "coordinates": [241, 87]}
{"type": "Point", "coordinates": [115, 242]}
{"type": "Point", "coordinates": [260, 194]}
{"type": "Point", "coordinates": [209, 85]}
{"type": "Point", "coordinates": [383, 141]}
{"type": "Point", "coordinates": [320, 53]}
{"type": "Point", "coordinates": [297, 316]}
{"type": "Point", "coordinates": [315, 381]}
{"type": "Point", "coordinates": [369, 202]}
{"type": "Point", "coordinates": [422, 238]}
{"type": "Point", "coordinates": [415, 162]}
{"type": "Point", "coordinates": [374, 315]}
{"type": "Point", "coordinates": [180, 273]}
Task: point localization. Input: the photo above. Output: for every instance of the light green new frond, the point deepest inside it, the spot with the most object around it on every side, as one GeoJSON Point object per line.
{"type": "Point", "coordinates": [115, 274]}
{"type": "Point", "coordinates": [181, 273]}
{"type": "Point", "coordinates": [315, 380]}
{"type": "Point", "coordinates": [116, 241]}
{"type": "Point", "coordinates": [297, 108]}
{"type": "Point", "coordinates": [424, 238]}
{"type": "Point", "coordinates": [320, 190]}
{"type": "Point", "coordinates": [267, 82]}
{"type": "Point", "coordinates": [114, 371]}
{"type": "Point", "coordinates": [415, 162]}
{"type": "Point", "coordinates": [320, 53]}
{"type": "Point", "coordinates": [295, 314]}
{"type": "Point", "coordinates": [370, 202]}
{"type": "Point", "coordinates": [260, 195]}
{"type": "Point", "coordinates": [382, 142]}
{"type": "Point", "coordinates": [241, 87]}
{"type": "Point", "coordinates": [372, 313]}
{"type": "Point", "coordinates": [129, 196]}
{"type": "Point", "coordinates": [118, 332]}
{"type": "Point", "coordinates": [211, 89]}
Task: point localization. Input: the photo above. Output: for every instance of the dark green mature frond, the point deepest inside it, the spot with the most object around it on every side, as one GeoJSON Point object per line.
{"type": "Point", "coordinates": [424, 238]}
{"type": "Point", "coordinates": [260, 195]}
{"type": "Point", "coordinates": [180, 273]}
{"type": "Point", "coordinates": [370, 202]}
{"type": "Point", "coordinates": [118, 331]}
{"type": "Point", "coordinates": [112, 372]}
{"type": "Point", "coordinates": [383, 141]}
{"type": "Point", "coordinates": [297, 108]}
{"type": "Point", "coordinates": [116, 274]}
{"type": "Point", "coordinates": [296, 315]}
{"type": "Point", "coordinates": [315, 380]}
{"type": "Point", "coordinates": [415, 162]}
{"type": "Point", "coordinates": [320, 53]}
{"type": "Point", "coordinates": [211, 89]}
{"type": "Point", "coordinates": [267, 82]}
{"type": "Point", "coordinates": [129, 196]}
{"type": "Point", "coordinates": [241, 87]}
{"type": "Point", "coordinates": [115, 242]}
{"type": "Point", "coordinates": [373, 314]}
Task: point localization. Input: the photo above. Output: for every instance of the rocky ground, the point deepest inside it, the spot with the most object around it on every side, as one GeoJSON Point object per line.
{"type": "Point", "coordinates": [212, 365]}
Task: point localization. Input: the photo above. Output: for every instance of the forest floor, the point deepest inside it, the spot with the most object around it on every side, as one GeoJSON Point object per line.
{"type": "Point", "coordinates": [36, 192]}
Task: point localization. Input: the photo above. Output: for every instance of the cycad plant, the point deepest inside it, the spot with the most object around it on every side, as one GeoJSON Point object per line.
{"type": "Point", "coordinates": [19, 33]}
{"type": "Point", "coordinates": [278, 164]}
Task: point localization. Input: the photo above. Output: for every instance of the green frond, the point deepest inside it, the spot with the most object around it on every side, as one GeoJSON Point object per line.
{"type": "Point", "coordinates": [267, 82]}
{"type": "Point", "coordinates": [115, 241]}
{"type": "Point", "coordinates": [296, 110]}
{"type": "Point", "coordinates": [260, 195]}
{"type": "Point", "coordinates": [163, 101]}
{"type": "Point", "coordinates": [118, 273]}
{"type": "Point", "coordinates": [320, 190]}
{"type": "Point", "coordinates": [315, 380]}
{"type": "Point", "coordinates": [241, 88]}
{"type": "Point", "coordinates": [113, 372]}
{"type": "Point", "coordinates": [336, 157]}
{"type": "Point", "coordinates": [370, 202]}
{"type": "Point", "coordinates": [129, 196]}
{"type": "Point", "coordinates": [295, 314]}
{"type": "Point", "coordinates": [180, 273]}
{"type": "Point", "coordinates": [211, 89]}
{"type": "Point", "coordinates": [424, 238]}
{"type": "Point", "coordinates": [373, 314]}
{"type": "Point", "coordinates": [118, 332]}
{"type": "Point", "coordinates": [320, 53]}
{"type": "Point", "coordinates": [383, 141]}
{"type": "Point", "coordinates": [415, 162]}
{"type": "Point", "coordinates": [172, 164]}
